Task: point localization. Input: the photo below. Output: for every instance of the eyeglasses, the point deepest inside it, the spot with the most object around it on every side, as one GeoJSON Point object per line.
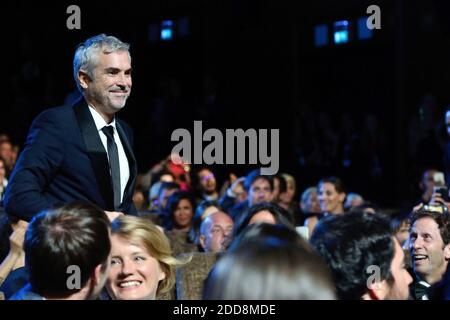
{"type": "Point", "coordinates": [207, 177]}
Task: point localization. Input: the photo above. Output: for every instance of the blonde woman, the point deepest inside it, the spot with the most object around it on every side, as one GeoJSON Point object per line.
{"type": "Point", "coordinates": [142, 265]}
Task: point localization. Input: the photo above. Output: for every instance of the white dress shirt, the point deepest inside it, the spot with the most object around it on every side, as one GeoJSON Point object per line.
{"type": "Point", "coordinates": [123, 160]}
{"type": "Point", "coordinates": [3, 186]}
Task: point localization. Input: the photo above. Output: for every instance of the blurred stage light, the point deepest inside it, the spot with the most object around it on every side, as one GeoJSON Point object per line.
{"type": "Point", "coordinates": [167, 30]}
{"type": "Point", "coordinates": [341, 32]}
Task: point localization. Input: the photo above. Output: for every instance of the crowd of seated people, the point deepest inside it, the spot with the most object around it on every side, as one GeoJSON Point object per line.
{"type": "Point", "coordinates": [197, 239]}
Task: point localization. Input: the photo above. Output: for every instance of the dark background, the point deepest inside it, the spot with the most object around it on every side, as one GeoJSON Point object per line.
{"type": "Point", "coordinates": [253, 64]}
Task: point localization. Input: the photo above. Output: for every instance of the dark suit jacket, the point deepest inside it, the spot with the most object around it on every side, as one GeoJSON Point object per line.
{"type": "Point", "coordinates": [63, 161]}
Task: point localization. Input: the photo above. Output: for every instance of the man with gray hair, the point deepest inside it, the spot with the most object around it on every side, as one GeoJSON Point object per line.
{"type": "Point", "coordinates": [353, 200]}
{"type": "Point", "coordinates": [81, 152]}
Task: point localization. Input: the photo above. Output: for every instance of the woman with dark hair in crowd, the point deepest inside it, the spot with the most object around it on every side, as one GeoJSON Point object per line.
{"type": "Point", "coordinates": [3, 180]}
{"type": "Point", "coordinates": [287, 195]}
{"type": "Point", "coordinates": [269, 262]}
{"type": "Point", "coordinates": [263, 213]}
{"type": "Point", "coordinates": [331, 194]}
{"type": "Point", "coordinates": [180, 212]}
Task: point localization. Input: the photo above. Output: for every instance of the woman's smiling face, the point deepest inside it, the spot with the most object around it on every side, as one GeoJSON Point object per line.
{"type": "Point", "coordinates": [134, 273]}
{"type": "Point", "coordinates": [330, 200]}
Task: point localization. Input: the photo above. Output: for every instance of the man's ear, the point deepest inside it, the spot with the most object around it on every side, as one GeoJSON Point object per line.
{"type": "Point", "coordinates": [447, 251]}
{"type": "Point", "coordinates": [342, 197]}
{"type": "Point", "coordinates": [370, 295]}
{"type": "Point", "coordinates": [376, 291]}
{"type": "Point", "coordinates": [97, 275]}
{"type": "Point", "coordinates": [83, 79]}
{"type": "Point", "coordinates": [202, 241]}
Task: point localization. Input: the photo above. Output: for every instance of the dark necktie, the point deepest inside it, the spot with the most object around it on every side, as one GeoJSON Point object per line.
{"type": "Point", "coordinates": [420, 290]}
{"type": "Point", "coordinates": [113, 155]}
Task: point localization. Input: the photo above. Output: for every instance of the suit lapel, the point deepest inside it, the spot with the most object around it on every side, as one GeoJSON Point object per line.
{"type": "Point", "coordinates": [96, 152]}
{"type": "Point", "coordinates": [131, 163]}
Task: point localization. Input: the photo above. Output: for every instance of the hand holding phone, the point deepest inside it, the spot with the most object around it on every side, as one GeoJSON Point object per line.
{"type": "Point", "coordinates": [439, 179]}
{"type": "Point", "coordinates": [442, 192]}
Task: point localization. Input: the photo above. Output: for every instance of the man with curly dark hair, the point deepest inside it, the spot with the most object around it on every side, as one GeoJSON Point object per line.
{"type": "Point", "coordinates": [365, 259]}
